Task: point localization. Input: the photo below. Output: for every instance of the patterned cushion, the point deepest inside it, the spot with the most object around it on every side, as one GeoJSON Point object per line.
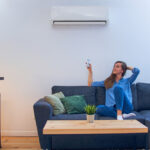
{"type": "Point", "coordinates": [74, 104]}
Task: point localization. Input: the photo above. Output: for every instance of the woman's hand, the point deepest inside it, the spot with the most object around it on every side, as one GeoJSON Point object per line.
{"type": "Point", "coordinates": [89, 68]}
{"type": "Point", "coordinates": [129, 68]}
{"type": "Point", "coordinates": [90, 75]}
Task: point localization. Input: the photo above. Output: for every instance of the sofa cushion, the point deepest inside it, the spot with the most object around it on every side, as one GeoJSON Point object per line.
{"type": "Point", "coordinates": [145, 114]}
{"type": "Point", "coordinates": [87, 91]}
{"type": "Point", "coordinates": [143, 96]}
{"type": "Point", "coordinates": [138, 117]}
{"type": "Point", "coordinates": [69, 117]}
{"type": "Point", "coordinates": [78, 117]}
{"type": "Point", "coordinates": [74, 104]}
{"type": "Point", "coordinates": [98, 117]}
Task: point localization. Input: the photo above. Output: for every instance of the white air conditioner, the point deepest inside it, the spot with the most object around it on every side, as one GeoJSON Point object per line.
{"type": "Point", "coordinates": [79, 15]}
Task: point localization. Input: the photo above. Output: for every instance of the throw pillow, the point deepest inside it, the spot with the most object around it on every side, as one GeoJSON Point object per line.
{"type": "Point", "coordinates": [57, 105]}
{"type": "Point", "coordinates": [59, 95]}
{"type": "Point", "coordinates": [74, 104]}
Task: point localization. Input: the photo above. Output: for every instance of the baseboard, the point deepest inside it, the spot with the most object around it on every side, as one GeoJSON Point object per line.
{"type": "Point", "coordinates": [18, 133]}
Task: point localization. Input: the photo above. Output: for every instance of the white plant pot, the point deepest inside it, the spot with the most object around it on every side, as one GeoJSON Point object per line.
{"type": "Point", "coordinates": [90, 118]}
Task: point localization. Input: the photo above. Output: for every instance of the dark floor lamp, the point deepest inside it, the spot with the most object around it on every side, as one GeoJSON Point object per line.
{"type": "Point", "coordinates": [1, 78]}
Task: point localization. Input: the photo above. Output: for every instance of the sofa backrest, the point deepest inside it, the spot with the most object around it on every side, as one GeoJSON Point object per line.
{"type": "Point", "coordinates": [88, 92]}
{"type": "Point", "coordinates": [134, 97]}
{"type": "Point", "coordinates": [143, 96]}
{"type": "Point", "coordinates": [93, 95]}
{"type": "Point", "coordinates": [100, 95]}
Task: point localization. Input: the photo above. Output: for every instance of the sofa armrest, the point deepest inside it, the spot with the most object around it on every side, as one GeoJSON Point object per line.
{"type": "Point", "coordinates": [43, 111]}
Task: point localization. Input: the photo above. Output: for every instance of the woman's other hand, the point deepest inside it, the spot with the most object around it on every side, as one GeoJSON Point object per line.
{"type": "Point", "coordinates": [129, 68]}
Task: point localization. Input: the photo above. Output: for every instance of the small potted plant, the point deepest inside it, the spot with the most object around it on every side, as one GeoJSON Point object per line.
{"type": "Point", "coordinates": [90, 111]}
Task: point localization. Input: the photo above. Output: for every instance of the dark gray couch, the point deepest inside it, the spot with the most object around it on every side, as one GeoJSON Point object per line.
{"type": "Point", "coordinates": [93, 95]}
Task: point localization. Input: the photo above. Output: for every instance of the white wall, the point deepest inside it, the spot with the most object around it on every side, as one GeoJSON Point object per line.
{"type": "Point", "coordinates": [34, 56]}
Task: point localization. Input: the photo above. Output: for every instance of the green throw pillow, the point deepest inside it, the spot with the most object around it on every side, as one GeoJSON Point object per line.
{"type": "Point", "coordinates": [74, 104]}
{"type": "Point", "coordinates": [57, 105]}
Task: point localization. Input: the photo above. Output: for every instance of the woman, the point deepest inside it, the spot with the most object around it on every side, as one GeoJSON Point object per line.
{"type": "Point", "coordinates": [118, 102]}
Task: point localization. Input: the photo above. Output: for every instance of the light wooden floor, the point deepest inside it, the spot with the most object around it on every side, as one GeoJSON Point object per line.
{"type": "Point", "coordinates": [12, 143]}
{"type": "Point", "coordinates": [22, 143]}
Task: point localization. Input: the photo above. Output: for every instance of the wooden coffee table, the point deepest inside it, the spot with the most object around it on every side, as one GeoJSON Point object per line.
{"type": "Point", "coordinates": [63, 127]}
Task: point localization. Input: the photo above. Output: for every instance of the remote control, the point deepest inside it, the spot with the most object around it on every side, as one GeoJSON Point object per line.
{"type": "Point", "coordinates": [88, 63]}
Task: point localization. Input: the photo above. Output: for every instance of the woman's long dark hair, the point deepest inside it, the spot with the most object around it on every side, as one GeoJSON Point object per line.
{"type": "Point", "coordinates": [109, 82]}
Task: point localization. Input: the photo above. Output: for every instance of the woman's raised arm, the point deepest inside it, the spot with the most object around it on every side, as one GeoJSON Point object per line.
{"type": "Point", "coordinates": [90, 78]}
{"type": "Point", "coordinates": [90, 75]}
{"type": "Point", "coordinates": [135, 72]}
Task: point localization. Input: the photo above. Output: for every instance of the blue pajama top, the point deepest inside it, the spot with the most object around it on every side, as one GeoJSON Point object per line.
{"type": "Point", "coordinates": [125, 83]}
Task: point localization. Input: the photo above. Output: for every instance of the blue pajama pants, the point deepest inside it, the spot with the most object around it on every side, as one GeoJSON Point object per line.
{"type": "Point", "coordinates": [122, 103]}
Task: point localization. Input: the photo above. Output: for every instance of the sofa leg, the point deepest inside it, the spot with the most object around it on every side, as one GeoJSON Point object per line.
{"type": "Point", "coordinates": [49, 142]}
{"type": "Point", "coordinates": [146, 141]}
{"type": "Point", "coordinates": [135, 141]}
{"type": "Point", "coordinates": [46, 142]}
{"type": "Point", "coordinates": [50, 139]}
